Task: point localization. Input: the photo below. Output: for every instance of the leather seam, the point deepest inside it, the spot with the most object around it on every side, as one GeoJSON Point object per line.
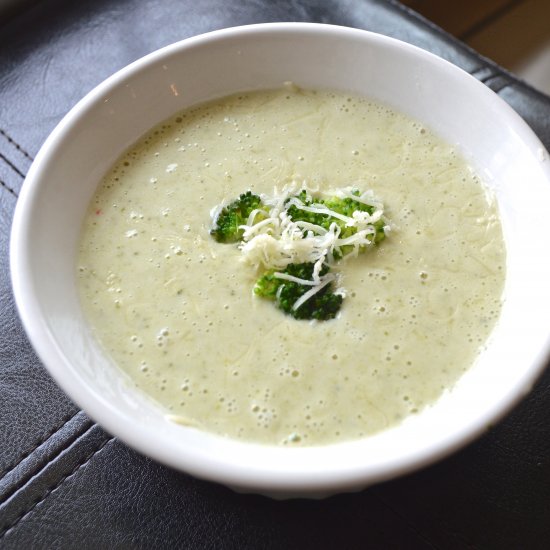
{"type": "Point", "coordinates": [40, 467]}
{"type": "Point", "coordinates": [12, 166]}
{"type": "Point", "coordinates": [49, 491]}
{"type": "Point", "coordinates": [8, 188]}
{"type": "Point", "coordinates": [29, 452]}
{"type": "Point", "coordinates": [15, 144]}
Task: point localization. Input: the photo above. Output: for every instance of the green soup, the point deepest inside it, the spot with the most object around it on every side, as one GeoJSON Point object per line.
{"type": "Point", "coordinates": [176, 311]}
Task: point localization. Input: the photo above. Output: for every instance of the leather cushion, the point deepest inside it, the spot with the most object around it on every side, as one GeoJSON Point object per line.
{"type": "Point", "coordinates": [66, 483]}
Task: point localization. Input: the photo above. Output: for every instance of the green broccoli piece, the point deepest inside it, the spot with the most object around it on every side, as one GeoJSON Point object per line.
{"type": "Point", "coordinates": [267, 285]}
{"type": "Point", "coordinates": [227, 224]}
{"type": "Point", "coordinates": [322, 306]}
{"type": "Point", "coordinates": [296, 214]}
{"type": "Point", "coordinates": [325, 303]}
{"type": "Point", "coordinates": [346, 206]}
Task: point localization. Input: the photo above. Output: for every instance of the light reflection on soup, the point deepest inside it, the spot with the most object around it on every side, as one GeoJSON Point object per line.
{"type": "Point", "coordinates": [176, 311]}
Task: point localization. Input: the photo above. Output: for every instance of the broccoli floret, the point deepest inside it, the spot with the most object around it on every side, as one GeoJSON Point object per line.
{"type": "Point", "coordinates": [322, 306]}
{"type": "Point", "coordinates": [266, 286]}
{"type": "Point", "coordinates": [227, 224]}
{"type": "Point", "coordinates": [296, 214]}
{"type": "Point", "coordinates": [345, 206]}
{"type": "Point", "coordinates": [325, 303]}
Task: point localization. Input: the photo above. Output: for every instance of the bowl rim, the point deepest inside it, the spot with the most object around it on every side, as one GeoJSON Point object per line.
{"type": "Point", "coordinates": [203, 464]}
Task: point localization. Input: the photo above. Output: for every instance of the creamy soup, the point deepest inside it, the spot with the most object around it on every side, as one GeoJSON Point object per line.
{"type": "Point", "coordinates": [176, 311]}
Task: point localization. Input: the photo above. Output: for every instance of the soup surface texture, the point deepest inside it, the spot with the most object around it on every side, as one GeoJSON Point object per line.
{"type": "Point", "coordinates": [176, 311]}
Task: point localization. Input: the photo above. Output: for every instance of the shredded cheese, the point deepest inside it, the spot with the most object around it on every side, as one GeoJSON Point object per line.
{"type": "Point", "coordinates": [276, 240]}
{"type": "Point", "coordinates": [329, 277]}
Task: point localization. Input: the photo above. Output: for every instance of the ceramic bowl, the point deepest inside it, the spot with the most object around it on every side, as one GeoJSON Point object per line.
{"type": "Point", "coordinates": [464, 112]}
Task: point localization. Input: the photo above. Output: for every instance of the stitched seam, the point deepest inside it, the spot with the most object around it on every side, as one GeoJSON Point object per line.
{"type": "Point", "coordinates": [40, 467]}
{"type": "Point", "coordinates": [12, 166]}
{"type": "Point", "coordinates": [52, 489]}
{"type": "Point", "coordinates": [8, 188]}
{"type": "Point", "coordinates": [26, 454]}
{"type": "Point", "coordinates": [15, 144]}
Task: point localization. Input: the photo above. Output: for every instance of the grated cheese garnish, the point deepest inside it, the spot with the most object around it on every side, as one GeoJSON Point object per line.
{"type": "Point", "coordinates": [276, 240]}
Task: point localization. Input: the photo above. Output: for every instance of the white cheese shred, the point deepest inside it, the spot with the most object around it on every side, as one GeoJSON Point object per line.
{"type": "Point", "coordinates": [310, 293]}
{"type": "Point", "coordinates": [276, 240]}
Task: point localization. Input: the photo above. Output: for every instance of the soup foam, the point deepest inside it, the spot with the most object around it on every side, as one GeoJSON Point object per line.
{"type": "Point", "coordinates": [176, 311]}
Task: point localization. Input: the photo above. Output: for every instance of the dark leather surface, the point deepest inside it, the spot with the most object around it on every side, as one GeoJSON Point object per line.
{"type": "Point", "coordinates": [65, 483]}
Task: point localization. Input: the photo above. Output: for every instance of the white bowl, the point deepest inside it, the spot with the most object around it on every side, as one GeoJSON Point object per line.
{"type": "Point", "coordinates": [97, 130]}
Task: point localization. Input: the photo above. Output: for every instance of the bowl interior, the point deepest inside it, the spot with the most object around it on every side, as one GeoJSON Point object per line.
{"type": "Point", "coordinates": [92, 136]}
